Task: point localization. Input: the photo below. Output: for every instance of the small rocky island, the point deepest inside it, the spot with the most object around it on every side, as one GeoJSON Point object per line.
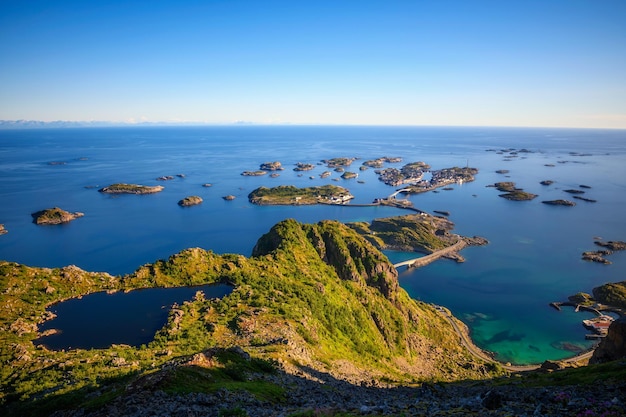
{"type": "Point", "coordinates": [253, 173]}
{"type": "Point", "coordinates": [511, 192]}
{"type": "Point", "coordinates": [378, 163]}
{"type": "Point", "coordinates": [338, 162]}
{"type": "Point", "coordinates": [301, 166]}
{"type": "Point", "coordinates": [291, 195]}
{"type": "Point", "coordinates": [560, 202]}
{"type": "Point", "coordinates": [3, 230]}
{"type": "Point", "coordinates": [599, 255]}
{"type": "Point", "coordinates": [271, 166]}
{"type": "Point", "coordinates": [122, 188]}
{"type": "Point", "coordinates": [349, 175]}
{"type": "Point", "coordinates": [54, 215]}
{"type": "Point", "coordinates": [192, 200]}
{"type": "Point", "coordinates": [588, 200]}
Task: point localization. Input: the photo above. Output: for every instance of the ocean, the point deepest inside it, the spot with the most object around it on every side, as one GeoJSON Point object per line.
{"type": "Point", "coordinates": [501, 292]}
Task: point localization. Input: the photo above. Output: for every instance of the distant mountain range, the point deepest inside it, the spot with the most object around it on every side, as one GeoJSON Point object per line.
{"type": "Point", "coordinates": [38, 124]}
{"type": "Point", "coordinates": [30, 124]}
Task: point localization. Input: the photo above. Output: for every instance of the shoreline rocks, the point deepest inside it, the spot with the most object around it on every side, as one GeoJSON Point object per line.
{"type": "Point", "coordinates": [54, 215]}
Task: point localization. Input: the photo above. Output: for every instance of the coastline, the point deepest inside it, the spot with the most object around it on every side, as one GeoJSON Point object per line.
{"type": "Point", "coordinates": [140, 214]}
{"type": "Point", "coordinates": [464, 334]}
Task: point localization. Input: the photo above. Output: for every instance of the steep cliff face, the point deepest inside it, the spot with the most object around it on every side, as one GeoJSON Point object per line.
{"type": "Point", "coordinates": [352, 257]}
{"type": "Point", "coordinates": [613, 346]}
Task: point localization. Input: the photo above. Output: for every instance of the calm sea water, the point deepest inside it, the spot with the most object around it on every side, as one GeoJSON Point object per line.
{"type": "Point", "coordinates": [502, 291]}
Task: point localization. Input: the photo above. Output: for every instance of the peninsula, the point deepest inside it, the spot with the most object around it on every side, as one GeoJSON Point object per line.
{"type": "Point", "coordinates": [409, 233]}
{"type": "Point", "coordinates": [54, 215]}
{"type": "Point", "coordinates": [122, 188]}
{"type": "Point", "coordinates": [291, 195]}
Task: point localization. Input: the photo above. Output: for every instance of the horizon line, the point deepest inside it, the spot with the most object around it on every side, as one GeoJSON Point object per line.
{"type": "Point", "coordinates": [6, 124]}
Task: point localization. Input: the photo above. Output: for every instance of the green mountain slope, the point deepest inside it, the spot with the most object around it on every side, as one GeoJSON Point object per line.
{"type": "Point", "coordinates": [316, 296]}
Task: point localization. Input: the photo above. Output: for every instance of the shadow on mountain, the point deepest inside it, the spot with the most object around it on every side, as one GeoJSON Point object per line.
{"type": "Point", "coordinates": [228, 382]}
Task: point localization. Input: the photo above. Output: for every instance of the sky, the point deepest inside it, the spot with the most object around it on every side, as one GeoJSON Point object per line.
{"type": "Point", "coordinates": [554, 63]}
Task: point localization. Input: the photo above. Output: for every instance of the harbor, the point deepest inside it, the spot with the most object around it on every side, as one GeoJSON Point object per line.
{"type": "Point", "coordinates": [600, 324]}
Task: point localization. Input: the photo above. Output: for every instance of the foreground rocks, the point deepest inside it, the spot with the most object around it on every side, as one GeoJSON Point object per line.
{"type": "Point", "coordinates": [320, 395]}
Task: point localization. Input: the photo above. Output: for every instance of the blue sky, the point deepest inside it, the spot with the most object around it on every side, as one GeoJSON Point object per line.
{"type": "Point", "coordinates": [438, 62]}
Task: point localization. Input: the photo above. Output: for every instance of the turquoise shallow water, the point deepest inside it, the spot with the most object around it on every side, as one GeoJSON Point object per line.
{"type": "Point", "coordinates": [502, 291]}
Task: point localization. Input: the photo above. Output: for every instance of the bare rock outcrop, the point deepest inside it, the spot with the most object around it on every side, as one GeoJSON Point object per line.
{"type": "Point", "coordinates": [613, 346]}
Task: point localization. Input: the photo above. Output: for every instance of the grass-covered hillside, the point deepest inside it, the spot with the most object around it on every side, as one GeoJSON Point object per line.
{"type": "Point", "coordinates": [613, 294]}
{"type": "Point", "coordinates": [414, 232]}
{"type": "Point", "coordinates": [317, 296]}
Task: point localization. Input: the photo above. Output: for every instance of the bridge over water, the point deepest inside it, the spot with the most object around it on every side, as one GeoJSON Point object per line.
{"type": "Point", "coordinates": [425, 260]}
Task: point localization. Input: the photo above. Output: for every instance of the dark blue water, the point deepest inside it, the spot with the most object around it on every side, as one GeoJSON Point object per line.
{"type": "Point", "coordinates": [99, 320]}
{"type": "Point", "coordinates": [501, 292]}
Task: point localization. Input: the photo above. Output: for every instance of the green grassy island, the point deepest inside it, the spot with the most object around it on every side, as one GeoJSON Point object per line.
{"type": "Point", "coordinates": [121, 188]}
{"type": "Point", "coordinates": [291, 195]}
{"type": "Point", "coordinates": [55, 215]}
{"type": "Point", "coordinates": [511, 192]}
